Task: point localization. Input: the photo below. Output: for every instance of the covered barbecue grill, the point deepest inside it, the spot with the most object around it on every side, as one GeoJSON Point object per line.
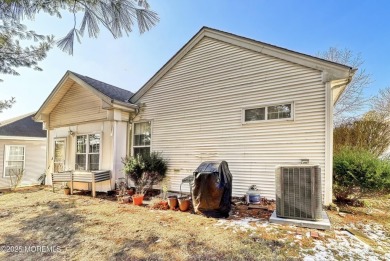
{"type": "Point", "coordinates": [212, 189]}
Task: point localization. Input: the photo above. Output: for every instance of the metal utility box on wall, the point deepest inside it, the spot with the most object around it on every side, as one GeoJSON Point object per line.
{"type": "Point", "coordinates": [298, 192]}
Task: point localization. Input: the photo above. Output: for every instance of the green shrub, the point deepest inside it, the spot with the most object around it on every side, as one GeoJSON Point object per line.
{"type": "Point", "coordinates": [134, 167]}
{"type": "Point", "coordinates": [145, 170]}
{"type": "Point", "coordinates": [356, 172]}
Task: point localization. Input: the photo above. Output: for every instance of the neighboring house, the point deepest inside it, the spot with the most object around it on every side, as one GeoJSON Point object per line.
{"type": "Point", "coordinates": [22, 148]}
{"type": "Point", "coordinates": [221, 97]}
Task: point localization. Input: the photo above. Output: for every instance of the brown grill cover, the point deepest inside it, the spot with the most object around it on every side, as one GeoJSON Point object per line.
{"type": "Point", "coordinates": [212, 189]}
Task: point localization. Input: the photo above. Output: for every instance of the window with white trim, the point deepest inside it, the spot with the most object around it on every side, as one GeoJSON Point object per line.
{"type": "Point", "coordinates": [271, 112]}
{"type": "Point", "coordinates": [14, 159]}
{"type": "Point", "coordinates": [142, 138]}
{"type": "Point", "coordinates": [88, 152]}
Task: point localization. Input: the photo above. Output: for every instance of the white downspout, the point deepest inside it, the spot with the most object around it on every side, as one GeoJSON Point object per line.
{"type": "Point", "coordinates": [328, 144]}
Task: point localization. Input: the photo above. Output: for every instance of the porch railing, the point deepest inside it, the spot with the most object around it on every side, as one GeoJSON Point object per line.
{"type": "Point", "coordinates": [92, 177]}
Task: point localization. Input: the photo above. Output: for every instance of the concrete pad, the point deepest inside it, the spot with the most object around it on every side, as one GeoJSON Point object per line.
{"type": "Point", "coordinates": [323, 224]}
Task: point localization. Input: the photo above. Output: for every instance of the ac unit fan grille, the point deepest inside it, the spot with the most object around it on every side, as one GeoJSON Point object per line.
{"type": "Point", "coordinates": [299, 193]}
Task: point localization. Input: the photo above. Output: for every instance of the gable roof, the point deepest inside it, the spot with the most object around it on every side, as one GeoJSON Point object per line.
{"type": "Point", "coordinates": [22, 126]}
{"type": "Point", "coordinates": [109, 90]}
{"type": "Point", "coordinates": [111, 95]}
{"type": "Point", "coordinates": [332, 71]}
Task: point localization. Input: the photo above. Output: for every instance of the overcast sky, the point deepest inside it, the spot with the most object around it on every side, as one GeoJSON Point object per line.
{"type": "Point", "coordinates": [303, 26]}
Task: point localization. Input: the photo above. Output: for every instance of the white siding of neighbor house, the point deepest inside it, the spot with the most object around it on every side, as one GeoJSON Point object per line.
{"type": "Point", "coordinates": [35, 161]}
{"type": "Point", "coordinates": [196, 114]}
{"type": "Point", "coordinates": [77, 105]}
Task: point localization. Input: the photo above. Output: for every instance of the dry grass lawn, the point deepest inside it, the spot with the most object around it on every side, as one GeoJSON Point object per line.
{"type": "Point", "coordinates": [85, 228]}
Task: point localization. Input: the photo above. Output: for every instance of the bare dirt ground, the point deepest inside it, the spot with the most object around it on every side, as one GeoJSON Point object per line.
{"type": "Point", "coordinates": [37, 224]}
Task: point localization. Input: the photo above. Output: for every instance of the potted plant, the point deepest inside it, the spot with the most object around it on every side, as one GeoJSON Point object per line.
{"type": "Point", "coordinates": [184, 203]}
{"type": "Point", "coordinates": [164, 189]}
{"type": "Point", "coordinates": [145, 171]}
{"type": "Point", "coordinates": [141, 187]}
{"type": "Point", "coordinates": [66, 189]}
{"type": "Point", "coordinates": [172, 202]}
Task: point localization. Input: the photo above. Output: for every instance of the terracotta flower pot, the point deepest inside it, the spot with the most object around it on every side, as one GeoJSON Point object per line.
{"type": "Point", "coordinates": [67, 191]}
{"type": "Point", "coordinates": [138, 199]}
{"type": "Point", "coordinates": [184, 203]}
{"type": "Point", "coordinates": [172, 202]}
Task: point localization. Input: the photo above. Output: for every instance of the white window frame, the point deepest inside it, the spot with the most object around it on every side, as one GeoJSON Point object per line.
{"type": "Point", "coordinates": [265, 106]}
{"type": "Point", "coordinates": [6, 157]}
{"type": "Point", "coordinates": [132, 136]}
{"type": "Point", "coordinates": [54, 150]}
{"type": "Point", "coordinates": [87, 150]}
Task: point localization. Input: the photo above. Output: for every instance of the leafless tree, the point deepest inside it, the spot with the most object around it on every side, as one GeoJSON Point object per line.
{"type": "Point", "coordinates": [352, 101]}
{"type": "Point", "coordinates": [381, 102]}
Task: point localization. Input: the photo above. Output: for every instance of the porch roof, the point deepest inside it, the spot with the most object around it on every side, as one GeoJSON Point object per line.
{"type": "Point", "coordinates": [111, 96]}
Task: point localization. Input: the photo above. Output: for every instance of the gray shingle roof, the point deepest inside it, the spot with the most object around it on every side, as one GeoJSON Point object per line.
{"type": "Point", "coordinates": [24, 127]}
{"type": "Point", "coordinates": [109, 90]}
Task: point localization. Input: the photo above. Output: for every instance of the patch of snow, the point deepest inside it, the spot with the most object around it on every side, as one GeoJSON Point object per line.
{"type": "Point", "coordinates": [245, 224]}
{"type": "Point", "coordinates": [344, 246]}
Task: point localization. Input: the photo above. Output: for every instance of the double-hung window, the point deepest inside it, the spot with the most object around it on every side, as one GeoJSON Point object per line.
{"type": "Point", "coordinates": [88, 152]}
{"type": "Point", "coordinates": [270, 112]}
{"type": "Point", "coordinates": [14, 159]}
{"type": "Point", "coordinates": [142, 138]}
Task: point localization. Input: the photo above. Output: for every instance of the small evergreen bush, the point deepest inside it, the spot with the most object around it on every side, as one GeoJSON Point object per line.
{"type": "Point", "coordinates": [358, 171]}
{"type": "Point", "coordinates": [145, 170]}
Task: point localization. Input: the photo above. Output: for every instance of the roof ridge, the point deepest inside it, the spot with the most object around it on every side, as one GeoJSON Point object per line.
{"type": "Point", "coordinates": [109, 90]}
{"type": "Point", "coordinates": [98, 80]}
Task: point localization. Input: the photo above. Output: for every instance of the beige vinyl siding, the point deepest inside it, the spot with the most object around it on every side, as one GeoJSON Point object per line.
{"type": "Point", "coordinates": [196, 110]}
{"type": "Point", "coordinates": [78, 105]}
{"type": "Point", "coordinates": [125, 116]}
{"type": "Point", "coordinates": [35, 161]}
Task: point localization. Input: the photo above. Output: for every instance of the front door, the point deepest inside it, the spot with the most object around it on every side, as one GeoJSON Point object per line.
{"type": "Point", "coordinates": [59, 155]}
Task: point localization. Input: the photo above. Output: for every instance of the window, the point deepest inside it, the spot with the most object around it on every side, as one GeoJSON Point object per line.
{"type": "Point", "coordinates": [272, 112]}
{"type": "Point", "coordinates": [142, 138]}
{"type": "Point", "coordinates": [87, 152]}
{"type": "Point", "coordinates": [59, 155]}
{"type": "Point", "coordinates": [14, 158]}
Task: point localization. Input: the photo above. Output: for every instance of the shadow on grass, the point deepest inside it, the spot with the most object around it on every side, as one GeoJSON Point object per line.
{"type": "Point", "coordinates": [52, 230]}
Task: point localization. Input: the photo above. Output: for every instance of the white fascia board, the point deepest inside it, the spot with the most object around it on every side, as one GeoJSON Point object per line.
{"type": "Point", "coordinates": [37, 116]}
{"type": "Point", "coordinates": [124, 106]}
{"type": "Point", "coordinates": [333, 70]}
